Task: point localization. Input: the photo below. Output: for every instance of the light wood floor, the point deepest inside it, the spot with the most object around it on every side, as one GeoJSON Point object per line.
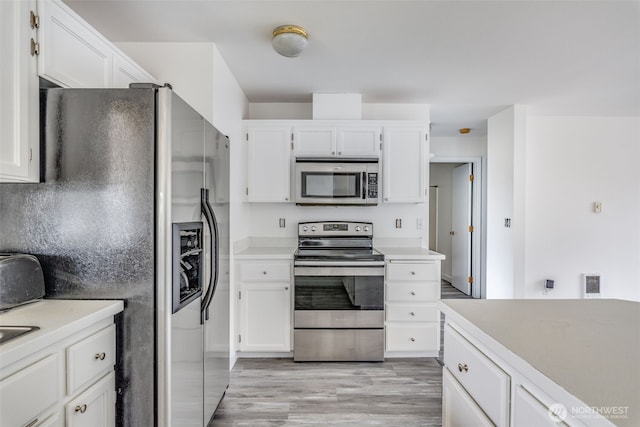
{"type": "Point", "coordinates": [280, 392]}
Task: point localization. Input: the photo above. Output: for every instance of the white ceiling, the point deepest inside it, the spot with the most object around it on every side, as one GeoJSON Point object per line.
{"type": "Point", "coordinates": [467, 59]}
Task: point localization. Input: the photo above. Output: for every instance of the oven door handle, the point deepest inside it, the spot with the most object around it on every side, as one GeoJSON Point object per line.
{"type": "Point", "coordinates": [359, 264]}
{"type": "Point", "coordinates": [338, 271]}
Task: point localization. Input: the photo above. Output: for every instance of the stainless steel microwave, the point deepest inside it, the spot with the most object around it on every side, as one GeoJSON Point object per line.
{"type": "Point", "coordinates": [337, 181]}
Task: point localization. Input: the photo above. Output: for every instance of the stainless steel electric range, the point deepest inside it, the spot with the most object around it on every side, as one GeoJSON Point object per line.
{"type": "Point", "coordinates": [338, 293]}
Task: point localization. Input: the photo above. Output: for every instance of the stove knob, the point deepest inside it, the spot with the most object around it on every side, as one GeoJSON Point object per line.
{"type": "Point", "coordinates": [366, 228]}
{"type": "Point", "coordinates": [357, 228]}
{"type": "Point", "coordinates": [305, 228]}
{"type": "Point", "coordinates": [313, 228]}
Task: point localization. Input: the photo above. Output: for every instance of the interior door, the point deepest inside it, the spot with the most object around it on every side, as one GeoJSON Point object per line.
{"type": "Point", "coordinates": [461, 221]}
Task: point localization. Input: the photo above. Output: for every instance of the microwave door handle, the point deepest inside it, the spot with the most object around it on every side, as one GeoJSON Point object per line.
{"type": "Point", "coordinates": [364, 185]}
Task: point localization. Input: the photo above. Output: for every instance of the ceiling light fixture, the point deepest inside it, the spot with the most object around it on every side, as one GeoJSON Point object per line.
{"type": "Point", "coordinates": [464, 130]}
{"type": "Point", "coordinates": [289, 40]}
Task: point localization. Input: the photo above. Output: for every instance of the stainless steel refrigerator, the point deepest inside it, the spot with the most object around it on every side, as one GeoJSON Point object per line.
{"type": "Point", "coordinates": [134, 205]}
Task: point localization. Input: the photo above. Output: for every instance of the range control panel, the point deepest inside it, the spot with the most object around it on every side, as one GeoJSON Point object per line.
{"type": "Point", "coordinates": [335, 228]}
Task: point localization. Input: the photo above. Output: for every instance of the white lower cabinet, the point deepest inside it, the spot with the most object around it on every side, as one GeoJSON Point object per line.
{"type": "Point", "coordinates": [70, 380]}
{"type": "Point", "coordinates": [458, 408]}
{"type": "Point", "coordinates": [487, 384]}
{"type": "Point", "coordinates": [412, 324]}
{"type": "Point", "coordinates": [265, 306]}
{"type": "Point", "coordinates": [95, 407]}
{"type": "Point", "coordinates": [480, 389]}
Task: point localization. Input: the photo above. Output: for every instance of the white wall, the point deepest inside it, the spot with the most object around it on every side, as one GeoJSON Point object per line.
{"type": "Point", "coordinates": [571, 163]}
{"type": "Point", "coordinates": [304, 111]}
{"type": "Point", "coordinates": [264, 218]}
{"type": "Point", "coordinates": [505, 139]}
{"type": "Point", "coordinates": [188, 67]}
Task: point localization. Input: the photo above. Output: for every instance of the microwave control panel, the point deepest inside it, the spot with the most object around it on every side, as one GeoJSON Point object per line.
{"type": "Point", "coordinates": [372, 186]}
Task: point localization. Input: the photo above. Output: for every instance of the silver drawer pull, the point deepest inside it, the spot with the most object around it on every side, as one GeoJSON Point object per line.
{"type": "Point", "coordinates": [462, 367]}
{"type": "Point", "coordinates": [100, 356]}
{"type": "Point", "coordinates": [412, 339]}
{"type": "Point", "coordinates": [81, 408]}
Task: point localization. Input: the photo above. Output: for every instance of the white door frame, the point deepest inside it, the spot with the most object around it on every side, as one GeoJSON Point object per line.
{"type": "Point", "coordinates": [479, 222]}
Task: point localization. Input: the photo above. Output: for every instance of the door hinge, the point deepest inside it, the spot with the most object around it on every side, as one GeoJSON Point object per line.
{"type": "Point", "coordinates": [291, 145]}
{"type": "Point", "coordinates": [239, 294]}
{"type": "Point", "coordinates": [471, 229]}
{"type": "Point", "coordinates": [380, 137]}
{"type": "Point", "coordinates": [30, 154]}
{"type": "Point", "coordinates": [35, 48]}
{"type": "Point", "coordinates": [247, 136]}
{"type": "Point", "coordinates": [34, 20]}
{"type": "Point", "coordinates": [239, 338]}
{"type": "Point", "coordinates": [291, 136]}
{"type": "Point", "coordinates": [471, 178]}
{"type": "Point", "coordinates": [470, 280]}
{"type": "Point", "coordinates": [381, 146]}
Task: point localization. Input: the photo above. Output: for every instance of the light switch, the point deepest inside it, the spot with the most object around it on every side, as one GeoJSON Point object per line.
{"type": "Point", "coordinates": [597, 207]}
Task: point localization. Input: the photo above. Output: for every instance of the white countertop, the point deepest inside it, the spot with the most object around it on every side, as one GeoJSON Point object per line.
{"type": "Point", "coordinates": [591, 348]}
{"type": "Point", "coordinates": [402, 252]}
{"type": "Point", "coordinates": [56, 320]}
{"type": "Point", "coordinates": [272, 252]}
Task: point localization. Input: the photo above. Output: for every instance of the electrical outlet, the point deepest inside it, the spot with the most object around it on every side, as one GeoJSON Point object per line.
{"type": "Point", "coordinates": [549, 285]}
{"type": "Point", "coordinates": [419, 224]}
{"type": "Point", "coordinates": [398, 223]}
{"type": "Point", "coordinates": [281, 222]}
{"type": "Point", "coordinates": [597, 207]}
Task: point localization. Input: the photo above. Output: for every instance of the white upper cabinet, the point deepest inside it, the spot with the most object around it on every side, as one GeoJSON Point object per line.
{"type": "Point", "coordinates": [19, 138]}
{"type": "Point", "coordinates": [45, 38]}
{"type": "Point", "coordinates": [404, 165]}
{"type": "Point", "coordinates": [269, 163]}
{"type": "Point", "coordinates": [72, 53]}
{"type": "Point", "coordinates": [359, 140]}
{"type": "Point", "coordinates": [329, 140]}
{"type": "Point", "coordinates": [314, 140]}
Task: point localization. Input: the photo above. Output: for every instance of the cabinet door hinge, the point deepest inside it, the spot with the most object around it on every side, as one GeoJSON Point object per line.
{"type": "Point", "coordinates": [30, 154]}
{"type": "Point", "coordinates": [239, 294]}
{"type": "Point", "coordinates": [381, 146]}
{"type": "Point", "coordinates": [34, 20]}
{"type": "Point", "coordinates": [380, 137]}
{"type": "Point", "coordinates": [247, 136]}
{"type": "Point", "coordinates": [239, 338]}
{"type": "Point", "coordinates": [471, 178]}
{"type": "Point", "coordinates": [35, 48]}
{"type": "Point", "coordinates": [291, 145]}
{"type": "Point", "coordinates": [470, 280]}
{"type": "Point", "coordinates": [246, 191]}
{"type": "Point", "coordinates": [471, 229]}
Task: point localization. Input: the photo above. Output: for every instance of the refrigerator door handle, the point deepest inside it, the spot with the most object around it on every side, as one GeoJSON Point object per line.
{"type": "Point", "coordinates": [210, 216]}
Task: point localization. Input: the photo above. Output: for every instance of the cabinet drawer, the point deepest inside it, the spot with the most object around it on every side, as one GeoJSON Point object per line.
{"type": "Point", "coordinates": [91, 357]}
{"type": "Point", "coordinates": [95, 407]}
{"type": "Point", "coordinates": [265, 272]}
{"type": "Point", "coordinates": [412, 338]}
{"type": "Point", "coordinates": [29, 392]}
{"type": "Point", "coordinates": [418, 292]}
{"type": "Point", "coordinates": [458, 408]}
{"type": "Point", "coordinates": [485, 382]}
{"type": "Point", "coordinates": [424, 271]}
{"type": "Point", "coordinates": [411, 313]}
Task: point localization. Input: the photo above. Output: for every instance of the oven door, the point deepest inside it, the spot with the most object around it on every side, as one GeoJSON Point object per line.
{"type": "Point", "coordinates": [351, 288]}
{"type": "Point", "coordinates": [333, 183]}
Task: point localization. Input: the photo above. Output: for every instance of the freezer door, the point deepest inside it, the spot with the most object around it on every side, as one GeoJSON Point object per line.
{"type": "Point", "coordinates": [216, 325]}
